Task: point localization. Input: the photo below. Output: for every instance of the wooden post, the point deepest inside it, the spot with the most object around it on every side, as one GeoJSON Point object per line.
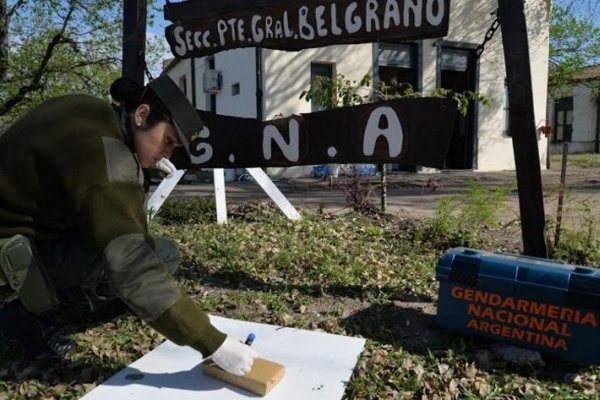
{"type": "Point", "coordinates": [561, 194]}
{"type": "Point", "coordinates": [522, 122]}
{"type": "Point", "coordinates": [383, 169]}
{"type": "Point", "coordinates": [134, 40]}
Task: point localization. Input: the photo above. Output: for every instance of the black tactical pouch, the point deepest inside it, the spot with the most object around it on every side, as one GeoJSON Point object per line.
{"type": "Point", "coordinates": [21, 268]}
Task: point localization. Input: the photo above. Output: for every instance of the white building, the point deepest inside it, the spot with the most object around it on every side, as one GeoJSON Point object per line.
{"type": "Point", "coordinates": [267, 83]}
{"type": "Point", "coordinates": [576, 115]}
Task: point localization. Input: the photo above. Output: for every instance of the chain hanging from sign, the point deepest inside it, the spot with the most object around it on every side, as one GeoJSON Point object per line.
{"type": "Point", "coordinates": [489, 34]}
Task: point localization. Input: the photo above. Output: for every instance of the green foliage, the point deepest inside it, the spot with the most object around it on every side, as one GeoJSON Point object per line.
{"type": "Point", "coordinates": [580, 242]}
{"type": "Point", "coordinates": [587, 160]}
{"type": "Point", "coordinates": [343, 92]}
{"type": "Point", "coordinates": [580, 247]}
{"type": "Point", "coordinates": [55, 47]}
{"type": "Point", "coordinates": [574, 44]}
{"type": "Point", "coordinates": [459, 218]}
{"type": "Point", "coordinates": [395, 90]}
{"type": "Point", "coordinates": [195, 211]}
{"type": "Point", "coordinates": [337, 92]}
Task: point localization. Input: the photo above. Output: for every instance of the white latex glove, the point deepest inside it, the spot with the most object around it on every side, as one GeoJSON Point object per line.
{"type": "Point", "coordinates": [165, 165]}
{"type": "Point", "coordinates": [234, 356]}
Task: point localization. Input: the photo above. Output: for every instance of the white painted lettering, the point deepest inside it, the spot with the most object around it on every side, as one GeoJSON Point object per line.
{"type": "Point", "coordinates": [321, 30]}
{"type": "Point", "coordinates": [268, 27]}
{"type": "Point", "coordinates": [392, 13]}
{"type": "Point", "coordinates": [291, 150]}
{"type": "Point", "coordinates": [257, 33]}
{"type": "Point", "coordinates": [231, 22]}
{"type": "Point", "coordinates": [371, 17]}
{"type": "Point", "coordinates": [416, 7]}
{"type": "Point", "coordinates": [435, 19]}
{"type": "Point", "coordinates": [392, 133]}
{"type": "Point", "coordinates": [278, 30]}
{"type": "Point", "coordinates": [222, 30]}
{"type": "Point", "coordinates": [335, 29]}
{"type": "Point", "coordinates": [180, 46]}
{"type": "Point", "coordinates": [306, 31]}
{"type": "Point", "coordinates": [205, 40]}
{"type": "Point", "coordinates": [189, 40]}
{"type": "Point", "coordinates": [204, 148]}
{"type": "Point", "coordinates": [286, 26]}
{"type": "Point", "coordinates": [240, 30]}
{"type": "Point", "coordinates": [353, 22]}
{"type": "Point", "coordinates": [198, 39]}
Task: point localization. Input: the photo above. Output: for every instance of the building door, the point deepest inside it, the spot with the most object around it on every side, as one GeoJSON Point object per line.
{"type": "Point", "coordinates": [563, 120]}
{"type": "Point", "coordinates": [457, 71]}
{"type": "Point", "coordinates": [398, 69]}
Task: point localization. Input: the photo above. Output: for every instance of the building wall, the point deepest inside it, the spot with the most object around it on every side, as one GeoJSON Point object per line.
{"type": "Point", "coordinates": [585, 120]}
{"type": "Point", "coordinates": [494, 149]}
{"type": "Point", "coordinates": [287, 74]}
{"type": "Point", "coordinates": [238, 68]}
{"type": "Point", "coordinates": [182, 69]}
{"type": "Point", "coordinates": [585, 113]}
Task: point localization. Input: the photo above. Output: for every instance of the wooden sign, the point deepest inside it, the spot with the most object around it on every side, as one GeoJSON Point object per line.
{"type": "Point", "coordinates": [408, 131]}
{"type": "Point", "coordinates": [204, 27]}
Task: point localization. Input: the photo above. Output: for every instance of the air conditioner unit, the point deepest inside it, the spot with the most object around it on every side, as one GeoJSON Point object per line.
{"type": "Point", "coordinates": [213, 80]}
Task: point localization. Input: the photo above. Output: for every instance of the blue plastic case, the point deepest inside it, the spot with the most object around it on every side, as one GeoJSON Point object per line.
{"type": "Point", "coordinates": [528, 301]}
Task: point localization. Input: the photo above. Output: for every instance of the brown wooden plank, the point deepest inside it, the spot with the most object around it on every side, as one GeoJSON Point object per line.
{"type": "Point", "coordinates": [262, 378]}
{"type": "Point", "coordinates": [409, 131]}
{"type": "Point", "coordinates": [522, 126]}
{"type": "Point", "coordinates": [205, 27]}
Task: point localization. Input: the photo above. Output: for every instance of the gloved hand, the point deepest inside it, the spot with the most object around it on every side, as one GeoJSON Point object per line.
{"type": "Point", "coordinates": [165, 165]}
{"type": "Point", "coordinates": [234, 356]}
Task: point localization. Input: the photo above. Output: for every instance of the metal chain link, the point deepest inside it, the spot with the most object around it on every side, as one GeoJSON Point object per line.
{"type": "Point", "coordinates": [489, 34]}
{"type": "Point", "coordinates": [147, 71]}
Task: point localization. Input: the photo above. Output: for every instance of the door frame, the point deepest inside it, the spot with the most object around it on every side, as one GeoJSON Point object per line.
{"type": "Point", "coordinates": [473, 118]}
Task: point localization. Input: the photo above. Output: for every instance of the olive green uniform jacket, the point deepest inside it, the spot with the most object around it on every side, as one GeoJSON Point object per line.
{"type": "Point", "coordinates": [65, 166]}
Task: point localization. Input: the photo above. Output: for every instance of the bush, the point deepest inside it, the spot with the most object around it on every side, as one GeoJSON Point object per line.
{"type": "Point", "coordinates": [188, 211]}
{"type": "Point", "coordinates": [459, 218]}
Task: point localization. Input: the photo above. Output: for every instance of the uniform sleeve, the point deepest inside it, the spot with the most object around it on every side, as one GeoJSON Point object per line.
{"type": "Point", "coordinates": [112, 220]}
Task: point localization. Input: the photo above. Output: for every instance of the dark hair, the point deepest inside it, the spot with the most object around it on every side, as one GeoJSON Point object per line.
{"type": "Point", "coordinates": [130, 95]}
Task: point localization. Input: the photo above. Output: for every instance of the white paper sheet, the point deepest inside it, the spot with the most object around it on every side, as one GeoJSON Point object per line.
{"type": "Point", "coordinates": [318, 367]}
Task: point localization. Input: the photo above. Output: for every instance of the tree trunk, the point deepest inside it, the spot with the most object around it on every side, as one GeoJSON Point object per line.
{"type": "Point", "coordinates": [3, 39]}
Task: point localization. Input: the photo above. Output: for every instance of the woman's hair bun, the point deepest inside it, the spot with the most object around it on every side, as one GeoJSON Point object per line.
{"type": "Point", "coordinates": [125, 90]}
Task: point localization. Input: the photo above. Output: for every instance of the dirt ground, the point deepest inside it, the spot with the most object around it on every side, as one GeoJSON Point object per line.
{"type": "Point", "coordinates": [417, 195]}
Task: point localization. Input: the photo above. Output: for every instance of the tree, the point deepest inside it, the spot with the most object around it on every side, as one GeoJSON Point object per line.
{"type": "Point", "coordinates": [54, 47]}
{"type": "Point", "coordinates": [574, 44]}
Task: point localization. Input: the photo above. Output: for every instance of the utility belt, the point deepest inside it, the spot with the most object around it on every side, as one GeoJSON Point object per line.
{"type": "Point", "coordinates": [22, 269]}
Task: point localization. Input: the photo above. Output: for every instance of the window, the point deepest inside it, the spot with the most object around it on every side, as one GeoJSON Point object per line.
{"type": "Point", "coordinates": [235, 89]}
{"type": "Point", "coordinates": [563, 119]}
{"type": "Point", "coordinates": [183, 84]}
{"type": "Point", "coordinates": [455, 60]}
{"type": "Point", "coordinates": [398, 66]}
{"type": "Point", "coordinates": [319, 69]}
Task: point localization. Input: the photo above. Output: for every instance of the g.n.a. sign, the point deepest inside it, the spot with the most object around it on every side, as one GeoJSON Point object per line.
{"type": "Point", "coordinates": [409, 131]}
{"type": "Point", "coordinates": [204, 27]}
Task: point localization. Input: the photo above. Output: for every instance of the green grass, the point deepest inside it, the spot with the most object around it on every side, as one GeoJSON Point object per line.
{"type": "Point", "coordinates": [587, 160]}
{"type": "Point", "coordinates": [372, 277]}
